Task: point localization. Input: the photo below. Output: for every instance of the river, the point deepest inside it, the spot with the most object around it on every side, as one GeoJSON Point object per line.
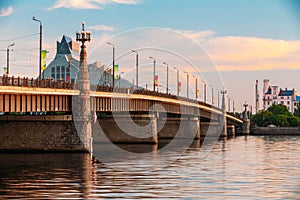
{"type": "Point", "coordinates": [244, 167]}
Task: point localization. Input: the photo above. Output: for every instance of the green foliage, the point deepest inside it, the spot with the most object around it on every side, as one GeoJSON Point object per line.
{"type": "Point", "coordinates": [277, 115]}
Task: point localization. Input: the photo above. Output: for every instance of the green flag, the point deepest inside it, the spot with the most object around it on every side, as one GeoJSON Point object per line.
{"type": "Point", "coordinates": [44, 53]}
{"type": "Point", "coordinates": [116, 70]}
{"type": "Point", "coordinates": [5, 70]}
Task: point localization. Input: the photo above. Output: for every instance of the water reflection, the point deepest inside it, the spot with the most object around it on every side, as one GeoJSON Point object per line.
{"type": "Point", "coordinates": [237, 168]}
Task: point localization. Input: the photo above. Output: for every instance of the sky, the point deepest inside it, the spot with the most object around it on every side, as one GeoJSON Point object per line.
{"type": "Point", "coordinates": [227, 44]}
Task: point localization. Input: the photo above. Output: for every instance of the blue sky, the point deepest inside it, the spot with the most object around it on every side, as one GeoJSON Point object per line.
{"type": "Point", "coordinates": [241, 37]}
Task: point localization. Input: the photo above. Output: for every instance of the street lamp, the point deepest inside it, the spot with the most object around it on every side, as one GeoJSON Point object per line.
{"type": "Point", "coordinates": [153, 72]}
{"type": "Point", "coordinates": [40, 64]}
{"type": "Point", "coordinates": [113, 68]}
{"type": "Point", "coordinates": [204, 89]}
{"type": "Point", "coordinates": [137, 68]}
{"type": "Point", "coordinates": [177, 80]}
{"type": "Point", "coordinates": [167, 76]}
{"type": "Point", "coordinates": [218, 97]}
{"type": "Point", "coordinates": [187, 84]}
{"type": "Point", "coordinates": [8, 56]}
{"type": "Point", "coordinates": [228, 104]}
{"type": "Point", "coordinates": [212, 94]}
{"type": "Point", "coordinates": [196, 87]}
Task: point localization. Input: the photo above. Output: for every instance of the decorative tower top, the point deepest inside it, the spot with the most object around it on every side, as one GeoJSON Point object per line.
{"type": "Point", "coordinates": [83, 36]}
{"type": "Point", "coordinates": [245, 112]}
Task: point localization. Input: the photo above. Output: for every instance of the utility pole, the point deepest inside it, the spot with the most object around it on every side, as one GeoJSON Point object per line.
{"type": "Point", "coordinates": [137, 68]}
{"type": "Point", "coordinates": [7, 56]}
{"type": "Point", "coordinates": [154, 61]}
{"type": "Point", "coordinates": [40, 64]}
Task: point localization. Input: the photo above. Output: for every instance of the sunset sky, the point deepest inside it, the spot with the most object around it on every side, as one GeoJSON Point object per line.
{"type": "Point", "coordinates": [242, 40]}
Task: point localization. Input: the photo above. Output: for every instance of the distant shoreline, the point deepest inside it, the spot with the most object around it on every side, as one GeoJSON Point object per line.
{"type": "Point", "coordinates": [275, 131]}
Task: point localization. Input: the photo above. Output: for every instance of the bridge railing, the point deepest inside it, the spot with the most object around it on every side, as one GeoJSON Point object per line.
{"type": "Point", "coordinates": [146, 92]}
{"type": "Point", "coordinates": [27, 82]}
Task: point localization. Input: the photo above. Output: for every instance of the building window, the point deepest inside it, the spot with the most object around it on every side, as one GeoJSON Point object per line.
{"type": "Point", "coordinates": [63, 73]}
{"type": "Point", "coordinates": [282, 97]}
{"type": "Point", "coordinates": [268, 103]}
{"type": "Point", "coordinates": [53, 73]}
{"type": "Point", "coordinates": [281, 102]}
{"type": "Point", "coordinates": [288, 102]}
{"type": "Point", "coordinates": [288, 97]}
{"type": "Point", "coordinates": [57, 73]}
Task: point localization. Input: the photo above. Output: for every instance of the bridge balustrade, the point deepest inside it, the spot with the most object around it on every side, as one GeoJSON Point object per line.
{"type": "Point", "coordinates": [25, 82]}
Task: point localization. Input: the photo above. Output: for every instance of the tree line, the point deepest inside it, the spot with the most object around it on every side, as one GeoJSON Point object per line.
{"type": "Point", "coordinates": [277, 115]}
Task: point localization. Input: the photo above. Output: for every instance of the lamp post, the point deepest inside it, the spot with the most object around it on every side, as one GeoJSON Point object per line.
{"type": "Point", "coordinates": [154, 61]}
{"type": "Point", "coordinates": [113, 68]}
{"type": "Point", "coordinates": [8, 56]}
{"type": "Point", "coordinates": [212, 94]}
{"type": "Point", "coordinates": [228, 104]}
{"type": "Point", "coordinates": [177, 80]}
{"type": "Point", "coordinates": [204, 89]}
{"type": "Point", "coordinates": [187, 84]}
{"type": "Point", "coordinates": [137, 68]}
{"type": "Point", "coordinates": [40, 64]}
{"type": "Point", "coordinates": [167, 76]}
{"type": "Point", "coordinates": [196, 87]}
{"type": "Point", "coordinates": [218, 98]}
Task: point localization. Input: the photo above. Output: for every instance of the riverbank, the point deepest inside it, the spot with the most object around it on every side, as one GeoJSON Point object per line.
{"type": "Point", "coordinates": [275, 131]}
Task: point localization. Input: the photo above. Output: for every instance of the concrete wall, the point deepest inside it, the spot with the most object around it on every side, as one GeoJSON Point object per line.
{"type": "Point", "coordinates": [275, 131]}
{"type": "Point", "coordinates": [39, 133]}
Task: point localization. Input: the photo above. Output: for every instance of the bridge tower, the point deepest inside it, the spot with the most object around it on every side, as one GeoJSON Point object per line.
{"type": "Point", "coordinates": [246, 121]}
{"type": "Point", "coordinates": [224, 121]}
{"type": "Point", "coordinates": [81, 106]}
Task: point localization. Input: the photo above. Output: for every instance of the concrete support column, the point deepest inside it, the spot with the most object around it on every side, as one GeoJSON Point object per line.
{"type": "Point", "coordinates": [246, 121]}
{"type": "Point", "coordinates": [223, 119]}
{"type": "Point", "coordinates": [82, 104]}
{"type": "Point", "coordinates": [230, 130]}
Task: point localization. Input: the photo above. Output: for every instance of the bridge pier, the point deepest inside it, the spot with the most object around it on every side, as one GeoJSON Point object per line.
{"type": "Point", "coordinates": [127, 129]}
{"type": "Point", "coordinates": [81, 105]}
{"type": "Point", "coordinates": [246, 121]}
{"type": "Point", "coordinates": [223, 116]}
{"type": "Point", "coordinates": [230, 130]}
{"type": "Point", "coordinates": [181, 128]}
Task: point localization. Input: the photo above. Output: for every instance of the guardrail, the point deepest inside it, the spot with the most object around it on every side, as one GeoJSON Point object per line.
{"type": "Point", "coordinates": [27, 82]}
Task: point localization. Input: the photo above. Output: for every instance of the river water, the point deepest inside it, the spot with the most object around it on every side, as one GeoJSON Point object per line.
{"type": "Point", "coordinates": [245, 167]}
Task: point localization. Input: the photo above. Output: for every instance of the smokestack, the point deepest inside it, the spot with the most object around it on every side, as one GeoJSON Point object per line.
{"type": "Point", "coordinates": [256, 97]}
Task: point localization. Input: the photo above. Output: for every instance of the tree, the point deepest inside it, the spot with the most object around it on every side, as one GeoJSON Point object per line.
{"type": "Point", "coordinates": [277, 115]}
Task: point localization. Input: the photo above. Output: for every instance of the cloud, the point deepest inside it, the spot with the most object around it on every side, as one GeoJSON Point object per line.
{"type": "Point", "coordinates": [232, 53]}
{"type": "Point", "coordinates": [101, 27]}
{"type": "Point", "coordinates": [251, 53]}
{"type": "Point", "coordinates": [6, 12]}
{"type": "Point", "coordinates": [198, 36]}
{"type": "Point", "coordinates": [89, 4]}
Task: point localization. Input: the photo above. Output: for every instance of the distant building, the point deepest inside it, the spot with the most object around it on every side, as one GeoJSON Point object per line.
{"type": "Point", "coordinates": [65, 66]}
{"type": "Point", "coordinates": [296, 103]}
{"type": "Point", "coordinates": [276, 95]}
